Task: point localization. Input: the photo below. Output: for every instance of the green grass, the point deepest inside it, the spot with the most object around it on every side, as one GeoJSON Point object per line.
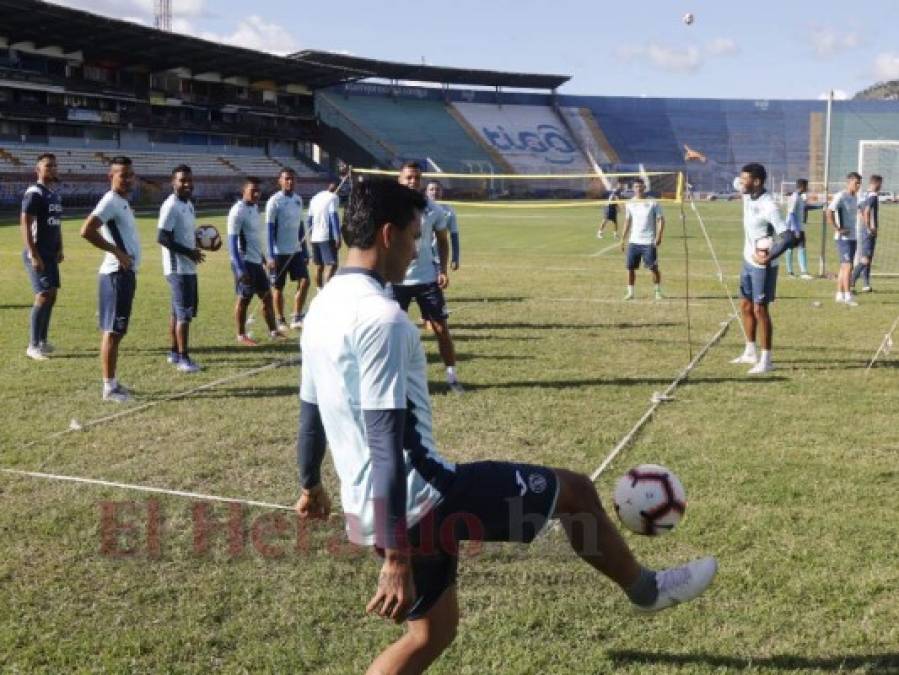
{"type": "Point", "coordinates": [792, 479]}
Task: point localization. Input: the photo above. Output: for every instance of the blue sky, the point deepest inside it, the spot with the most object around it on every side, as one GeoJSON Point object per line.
{"type": "Point", "coordinates": [775, 50]}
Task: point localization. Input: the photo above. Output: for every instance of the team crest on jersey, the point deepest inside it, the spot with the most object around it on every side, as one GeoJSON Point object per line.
{"type": "Point", "coordinates": [537, 483]}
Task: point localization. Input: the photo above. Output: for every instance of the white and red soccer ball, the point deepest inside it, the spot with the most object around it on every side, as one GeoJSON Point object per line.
{"type": "Point", "coordinates": [208, 238]}
{"type": "Point", "coordinates": [649, 499]}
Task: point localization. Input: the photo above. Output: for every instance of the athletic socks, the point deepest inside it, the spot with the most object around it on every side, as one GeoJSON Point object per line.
{"type": "Point", "coordinates": [644, 590]}
{"type": "Point", "coordinates": [788, 256]}
{"type": "Point", "coordinates": [110, 384]}
{"type": "Point", "coordinates": [765, 358]}
{"type": "Point", "coordinates": [45, 323]}
{"type": "Point", "coordinates": [451, 376]}
{"type": "Point", "coordinates": [37, 316]}
{"type": "Point", "coordinates": [803, 260]}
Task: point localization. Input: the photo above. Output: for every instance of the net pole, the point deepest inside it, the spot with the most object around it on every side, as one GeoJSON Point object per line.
{"type": "Point", "coordinates": [683, 222]}
{"type": "Point", "coordinates": [827, 131]}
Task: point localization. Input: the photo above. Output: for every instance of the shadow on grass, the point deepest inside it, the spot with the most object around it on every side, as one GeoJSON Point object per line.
{"type": "Point", "coordinates": [486, 298]}
{"type": "Point", "coordinates": [433, 357]}
{"type": "Point", "coordinates": [872, 663]}
{"type": "Point", "coordinates": [249, 392]}
{"type": "Point", "coordinates": [15, 307]}
{"type": "Point", "coordinates": [557, 326]}
{"type": "Point", "coordinates": [441, 388]}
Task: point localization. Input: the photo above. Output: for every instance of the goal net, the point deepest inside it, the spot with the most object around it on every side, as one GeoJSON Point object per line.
{"type": "Point", "coordinates": [882, 158]}
{"type": "Point", "coordinates": [494, 190]}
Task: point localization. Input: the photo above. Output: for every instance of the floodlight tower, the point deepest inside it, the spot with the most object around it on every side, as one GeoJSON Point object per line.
{"type": "Point", "coordinates": [163, 14]}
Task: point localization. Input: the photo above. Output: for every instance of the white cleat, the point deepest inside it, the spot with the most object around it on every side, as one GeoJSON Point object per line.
{"type": "Point", "coordinates": [185, 365]}
{"type": "Point", "coordinates": [456, 387]}
{"type": "Point", "coordinates": [867, 289]}
{"type": "Point", "coordinates": [744, 359]}
{"type": "Point", "coordinates": [599, 235]}
{"type": "Point", "coordinates": [628, 297]}
{"type": "Point", "coordinates": [761, 368]}
{"type": "Point", "coordinates": [47, 347]}
{"type": "Point", "coordinates": [839, 298]}
{"type": "Point", "coordinates": [117, 395]}
{"type": "Point", "coordinates": [296, 323]}
{"type": "Point", "coordinates": [806, 276]}
{"type": "Point", "coordinates": [850, 302]}
{"type": "Point", "coordinates": [682, 584]}
{"type": "Point", "coordinates": [36, 353]}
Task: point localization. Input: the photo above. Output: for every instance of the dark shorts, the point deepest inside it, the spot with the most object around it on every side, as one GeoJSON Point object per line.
{"type": "Point", "coordinates": [868, 244]}
{"type": "Point", "coordinates": [758, 285]}
{"type": "Point", "coordinates": [257, 284]}
{"type": "Point", "coordinates": [116, 297]}
{"type": "Point", "coordinates": [645, 252]}
{"type": "Point", "coordinates": [42, 281]}
{"type": "Point", "coordinates": [293, 265]}
{"type": "Point", "coordinates": [846, 251]}
{"type": "Point", "coordinates": [487, 501]}
{"type": "Point", "coordinates": [324, 253]}
{"type": "Point", "coordinates": [429, 297]}
{"type": "Point", "coordinates": [799, 241]}
{"type": "Point", "coordinates": [185, 296]}
{"type": "Point", "coordinates": [610, 213]}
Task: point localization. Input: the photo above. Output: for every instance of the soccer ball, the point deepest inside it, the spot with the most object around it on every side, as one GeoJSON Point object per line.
{"type": "Point", "coordinates": [208, 238]}
{"type": "Point", "coordinates": [649, 499]}
{"type": "Point", "coordinates": [689, 19]}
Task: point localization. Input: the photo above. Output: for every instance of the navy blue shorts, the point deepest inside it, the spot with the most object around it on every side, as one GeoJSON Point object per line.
{"type": "Point", "coordinates": [293, 265]}
{"type": "Point", "coordinates": [324, 253]}
{"type": "Point", "coordinates": [846, 251]}
{"type": "Point", "coordinates": [610, 213]}
{"type": "Point", "coordinates": [758, 284]}
{"type": "Point", "coordinates": [487, 501]}
{"type": "Point", "coordinates": [116, 297]}
{"type": "Point", "coordinates": [429, 297]}
{"type": "Point", "coordinates": [645, 252]}
{"type": "Point", "coordinates": [257, 284]}
{"type": "Point", "coordinates": [42, 281]}
{"type": "Point", "coordinates": [185, 296]}
{"type": "Point", "coordinates": [869, 243]}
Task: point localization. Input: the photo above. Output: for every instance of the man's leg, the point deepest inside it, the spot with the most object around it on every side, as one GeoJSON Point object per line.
{"type": "Point", "coordinates": [268, 311]}
{"type": "Point", "coordinates": [48, 312]}
{"type": "Point", "coordinates": [109, 357]}
{"type": "Point", "coordinates": [425, 639]}
{"type": "Point", "coordinates": [240, 314]}
{"type": "Point", "coordinates": [332, 270]}
{"type": "Point", "coordinates": [38, 317]}
{"type": "Point", "coordinates": [763, 321]}
{"type": "Point", "coordinates": [299, 299]}
{"type": "Point", "coordinates": [788, 256]}
{"type": "Point", "coordinates": [631, 283]}
{"type": "Point", "coordinates": [747, 316]}
{"type": "Point", "coordinates": [444, 342]}
{"type": "Point", "coordinates": [277, 300]}
{"type": "Point", "coordinates": [319, 276]}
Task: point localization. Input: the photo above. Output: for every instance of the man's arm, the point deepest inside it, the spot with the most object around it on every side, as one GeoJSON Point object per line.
{"type": "Point", "coordinates": [271, 218]}
{"type": "Point", "coordinates": [453, 226]}
{"type": "Point", "coordinates": [628, 221]}
{"type": "Point", "coordinates": [660, 229]}
{"type": "Point", "coordinates": [311, 441]}
{"type": "Point", "coordinates": [334, 226]}
{"type": "Point", "coordinates": [443, 253]}
{"type": "Point", "coordinates": [90, 231]}
{"type": "Point", "coordinates": [28, 239]}
{"type": "Point", "coordinates": [165, 236]}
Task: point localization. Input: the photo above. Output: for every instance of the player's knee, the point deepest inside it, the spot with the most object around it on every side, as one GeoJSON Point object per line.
{"type": "Point", "coordinates": [865, 260]}
{"type": "Point", "coordinates": [43, 297]}
{"type": "Point", "coordinates": [435, 637]}
{"type": "Point", "coordinates": [577, 493]}
{"type": "Point", "coordinates": [760, 311]}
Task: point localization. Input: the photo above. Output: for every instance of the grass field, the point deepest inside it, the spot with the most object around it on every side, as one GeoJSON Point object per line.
{"type": "Point", "coordinates": [792, 478]}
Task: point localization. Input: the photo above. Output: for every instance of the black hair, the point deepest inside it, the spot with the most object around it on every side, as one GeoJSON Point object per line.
{"type": "Point", "coordinates": [853, 174]}
{"type": "Point", "coordinates": [756, 170]}
{"type": "Point", "coordinates": [121, 160]}
{"type": "Point", "coordinates": [877, 177]}
{"type": "Point", "coordinates": [640, 180]}
{"type": "Point", "coordinates": [802, 183]}
{"type": "Point", "coordinates": [434, 181]}
{"type": "Point", "coordinates": [251, 180]}
{"type": "Point", "coordinates": [45, 155]}
{"type": "Point", "coordinates": [410, 164]}
{"type": "Point", "coordinates": [181, 168]}
{"type": "Point", "coordinates": [375, 203]}
{"type": "Point", "coordinates": [286, 169]}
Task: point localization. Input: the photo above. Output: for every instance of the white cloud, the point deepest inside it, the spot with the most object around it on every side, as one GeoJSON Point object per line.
{"type": "Point", "coordinates": [671, 59]}
{"type": "Point", "coordinates": [827, 42]}
{"type": "Point", "coordinates": [254, 32]}
{"type": "Point", "coordinates": [838, 95]}
{"type": "Point", "coordinates": [141, 8]}
{"type": "Point", "coordinates": [886, 66]}
{"type": "Point", "coordinates": [722, 46]}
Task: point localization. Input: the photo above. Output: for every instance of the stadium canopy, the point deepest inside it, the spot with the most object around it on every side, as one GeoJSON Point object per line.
{"type": "Point", "coordinates": [129, 44]}
{"type": "Point", "coordinates": [391, 70]}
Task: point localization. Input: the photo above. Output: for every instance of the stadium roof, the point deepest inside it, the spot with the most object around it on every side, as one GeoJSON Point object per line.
{"type": "Point", "coordinates": [392, 70]}
{"type": "Point", "coordinates": [100, 38]}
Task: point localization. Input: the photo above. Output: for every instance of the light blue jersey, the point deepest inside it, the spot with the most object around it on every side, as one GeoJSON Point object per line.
{"type": "Point", "coordinates": [119, 228]}
{"type": "Point", "coordinates": [845, 214]}
{"type": "Point", "coordinates": [243, 222]}
{"type": "Point", "coordinates": [760, 216]}
{"type": "Point", "coordinates": [284, 217]}
{"type": "Point", "coordinates": [361, 352]}
{"type": "Point", "coordinates": [796, 212]}
{"type": "Point", "coordinates": [177, 216]}
{"type": "Point", "coordinates": [423, 270]}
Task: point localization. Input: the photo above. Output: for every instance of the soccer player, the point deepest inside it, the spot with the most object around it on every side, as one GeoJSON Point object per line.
{"type": "Point", "coordinates": [870, 220]}
{"type": "Point", "coordinates": [842, 215]}
{"type": "Point", "coordinates": [180, 257]}
{"type": "Point", "coordinates": [287, 247]}
{"type": "Point", "coordinates": [111, 228]}
{"type": "Point", "coordinates": [644, 224]}
{"type": "Point", "coordinates": [323, 225]}
{"type": "Point", "coordinates": [247, 263]}
{"type": "Point", "coordinates": [610, 212]}
{"type": "Point", "coordinates": [434, 192]}
{"type": "Point", "coordinates": [425, 281]}
{"type": "Point", "coordinates": [796, 212]}
{"type": "Point", "coordinates": [364, 387]}
{"type": "Point", "coordinates": [41, 223]}
{"type": "Point", "coordinates": [766, 237]}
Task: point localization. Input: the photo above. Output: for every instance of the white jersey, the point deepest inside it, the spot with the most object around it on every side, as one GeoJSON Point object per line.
{"type": "Point", "coordinates": [361, 352]}
{"type": "Point", "coordinates": [845, 214]}
{"type": "Point", "coordinates": [758, 215]}
{"type": "Point", "coordinates": [177, 216]}
{"type": "Point", "coordinates": [119, 228]}
{"type": "Point", "coordinates": [285, 213]}
{"type": "Point", "coordinates": [796, 212]}
{"type": "Point", "coordinates": [423, 270]}
{"type": "Point", "coordinates": [243, 222]}
{"type": "Point", "coordinates": [644, 215]}
{"type": "Point", "coordinates": [323, 212]}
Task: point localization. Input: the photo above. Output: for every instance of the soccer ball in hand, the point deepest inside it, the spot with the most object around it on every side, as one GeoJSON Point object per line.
{"type": "Point", "coordinates": [689, 19]}
{"type": "Point", "coordinates": [649, 499]}
{"type": "Point", "coordinates": [208, 238]}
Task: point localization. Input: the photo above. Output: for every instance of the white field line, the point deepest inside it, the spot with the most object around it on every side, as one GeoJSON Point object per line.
{"type": "Point", "coordinates": [143, 488]}
{"type": "Point", "coordinates": [605, 250]}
